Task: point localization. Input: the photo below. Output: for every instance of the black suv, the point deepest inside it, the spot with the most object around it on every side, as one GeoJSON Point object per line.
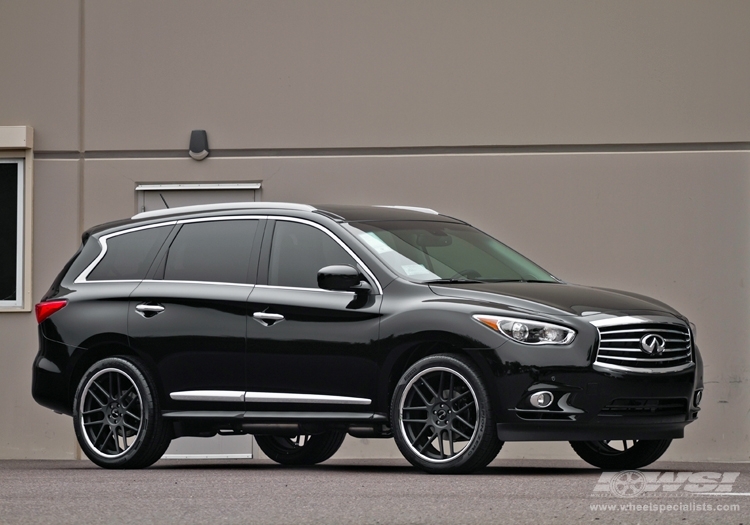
{"type": "Point", "coordinates": [299, 324]}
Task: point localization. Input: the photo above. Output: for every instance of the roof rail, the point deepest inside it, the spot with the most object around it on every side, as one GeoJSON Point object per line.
{"type": "Point", "coordinates": [225, 206]}
{"type": "Point", "coordinates": [411, 208]}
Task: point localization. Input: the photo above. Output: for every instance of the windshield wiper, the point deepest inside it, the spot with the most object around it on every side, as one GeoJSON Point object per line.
{"type": "Point", "coordinates": [516, 281]}
{"type": "Point", "coordinates": [449, 281]}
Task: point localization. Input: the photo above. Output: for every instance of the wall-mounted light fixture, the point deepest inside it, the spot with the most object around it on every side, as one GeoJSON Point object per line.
{"type": "Point", "coordinates": [198, 144]}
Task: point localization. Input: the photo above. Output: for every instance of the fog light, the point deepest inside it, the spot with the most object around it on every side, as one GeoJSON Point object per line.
{"type": "Point", "coordinates": [541, 399]}
{"type": "Point", "coordinates": [697, 398]}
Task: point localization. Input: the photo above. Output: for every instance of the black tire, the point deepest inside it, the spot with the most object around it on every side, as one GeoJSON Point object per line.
{"type": "Point", "coordinates": [440, 404]}
{"type": "Point", "coordinates": [301, 450]}
{"type": "Point", "coordinates": [609, 455]}
{"type": "Point", "coordinates": [116, 415]}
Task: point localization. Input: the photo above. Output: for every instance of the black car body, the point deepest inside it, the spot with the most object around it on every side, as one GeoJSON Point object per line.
{"type": "Point", "coordinates": [293, 323]}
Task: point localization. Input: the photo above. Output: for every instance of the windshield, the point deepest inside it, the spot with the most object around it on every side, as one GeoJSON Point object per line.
{"type": "Point", "coordinates": [426, 251]}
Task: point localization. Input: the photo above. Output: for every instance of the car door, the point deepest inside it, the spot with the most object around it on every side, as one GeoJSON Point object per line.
{"type": "Point", "coordinates": [305, 344]}
{"type": "Point", "coordinates": [189, 319]}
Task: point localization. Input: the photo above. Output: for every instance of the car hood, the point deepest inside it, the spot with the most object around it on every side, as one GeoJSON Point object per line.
{"type": "Point", "coordinates": [554, 298]}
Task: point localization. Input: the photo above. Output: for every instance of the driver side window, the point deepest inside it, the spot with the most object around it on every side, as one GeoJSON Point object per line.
{"type": "Point", "coordinates": [298, 251]}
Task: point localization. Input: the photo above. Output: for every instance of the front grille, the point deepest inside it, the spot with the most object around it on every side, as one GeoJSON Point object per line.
{"type": "Point", "coordinates": [620, 347]}
{"type": "Point", "coordinates": [646, 407]}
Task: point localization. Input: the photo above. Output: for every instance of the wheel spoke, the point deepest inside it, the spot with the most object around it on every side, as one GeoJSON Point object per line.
{"type": "Point", "coordinates": [461, 434]}
{"type": "Point", "coordinates": [116, 439]}
{"type": "Point", "coordinates": [425, 427]}
{"type": "Point", "coordinates": [440, 444]}
{"type": "Point", "coordinates": [96, 398]}
{"type": "Point", "coordinates": [462, 420]}
{"type": "Point", "coordinates": [92, 411]}
{"type": "Point", "coordinates": [418, 391]}
{"type": "Point", "coordinates": [440, 386]}
{"type": "Point", "coordinates": [131, 427]}
{"type": "Point", "coordinates": [434, 394]}
{"type": "Point", "coordinates": [132, 400]}
{"type": "Point", "coordinates": [414, 420]}
{"type": "Point", "coordinates": [460, 396]}
{"type": "Point", "coordinates": [468, 405]}
{"type": "Point", "coordinates": [450, 439]}
{"type": "Point", "coordinates": [416, 408]}
{"type": "Point", "coordinates": [100, 387]}
{"type": "Point", "coordinates": [106, 438]}
{"type": "Point", "coordinates": [98, 435]}
{"type": "Point", "coordinates": [134, 416]}
{"type": "Point", "coordinates": [430, 439]}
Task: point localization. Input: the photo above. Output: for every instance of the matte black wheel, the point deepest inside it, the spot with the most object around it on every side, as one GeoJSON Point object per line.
{"type": "Point", "coordinates": [441, 416]}
{"type": "Point", "coordinates": [116, 417]}
{"type": "Point", "coordinates": [621, 455]}
{"type": "Point", "coordinates": [302, 449]}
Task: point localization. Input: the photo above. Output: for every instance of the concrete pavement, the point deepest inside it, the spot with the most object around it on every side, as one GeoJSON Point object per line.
{"type": "Point", "coordinates": [369, 491]}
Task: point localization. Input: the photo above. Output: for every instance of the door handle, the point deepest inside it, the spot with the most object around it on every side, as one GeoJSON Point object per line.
{"type": "Point", "coordinates": [267, 319]}
{"type": "Point", "coordinates": [149, 310]}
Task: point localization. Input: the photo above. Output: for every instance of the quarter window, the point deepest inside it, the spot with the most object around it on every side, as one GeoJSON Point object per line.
{"type": "Point", "coordinates": [298, 251]}
{"type": "Point", "coordinates": [213, 251]}
{"type": "Point", "coordinates": [129, 256]}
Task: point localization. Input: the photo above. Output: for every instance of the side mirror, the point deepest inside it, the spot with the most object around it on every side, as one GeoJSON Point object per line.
{"type": "Point", "coordinates": [342, 278]}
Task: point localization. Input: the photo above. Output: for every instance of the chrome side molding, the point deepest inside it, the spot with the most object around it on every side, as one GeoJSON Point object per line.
{"type": "Point", "coordinates": [234, 396]}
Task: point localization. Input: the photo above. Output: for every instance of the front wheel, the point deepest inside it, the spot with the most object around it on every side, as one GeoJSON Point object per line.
{"type": "Point", "coordinates": [620, 455]}
{"type": "Point", "coordinates": [302, 449]}
{"type": "Point", "coordinates": [116, 416]}
{"type": "Point", "coordinates": [441, 416]}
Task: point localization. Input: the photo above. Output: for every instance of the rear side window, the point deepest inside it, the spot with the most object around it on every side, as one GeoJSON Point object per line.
{"type": "Point", "coordinates": [298, 251]}
{"type": "Point", "coordinates": [213, 251]}
{"type": "Point", "coordinates": [130, 255]}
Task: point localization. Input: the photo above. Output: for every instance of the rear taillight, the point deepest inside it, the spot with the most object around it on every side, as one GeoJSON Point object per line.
{"type": "Point", "coordinates": [47, 308]}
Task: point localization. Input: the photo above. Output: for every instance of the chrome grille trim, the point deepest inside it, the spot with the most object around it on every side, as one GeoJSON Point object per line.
{"type": "Point", "coordinates": [646, 359]}
{"type": "Point", "coordinates": [620, 344]}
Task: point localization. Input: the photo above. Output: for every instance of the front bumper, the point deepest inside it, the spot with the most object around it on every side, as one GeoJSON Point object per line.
{"type": "Point", "coordinates": [591, 405]}
{"type": "Point", "coordinates": [589, 432]}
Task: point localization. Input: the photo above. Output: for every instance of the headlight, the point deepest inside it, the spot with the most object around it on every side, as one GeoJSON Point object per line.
{"type": "Point", "coordinates": [527, 331]}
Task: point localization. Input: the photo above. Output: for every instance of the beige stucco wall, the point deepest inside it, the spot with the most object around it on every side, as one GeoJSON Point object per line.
{"type": "Point", "coordinates": [279, 74]}
{"type": "Point", "coordinates": [39, 61]}
{"type": "Point", "coordinates": [291, 92]}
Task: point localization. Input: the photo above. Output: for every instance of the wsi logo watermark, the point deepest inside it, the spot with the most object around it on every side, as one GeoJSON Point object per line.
{"type": "Point", "coordinates": [632, 483]}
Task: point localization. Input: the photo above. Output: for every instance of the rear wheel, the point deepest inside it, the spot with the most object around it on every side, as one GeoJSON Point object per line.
{"type": "Point", "coordinates": [441, 416]}
{"type": "Point", "coordinates": [302, 449]}
{"type": "Point", "coordinates": [116, 416]}
{"type": "Point", "coordinates": [622, 454]}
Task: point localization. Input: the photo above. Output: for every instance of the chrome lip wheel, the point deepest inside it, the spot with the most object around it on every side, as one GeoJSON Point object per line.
{"type": "Point", "coordinates": [438, 414]}
{"type": "Point", "coordinates": [111, 413]}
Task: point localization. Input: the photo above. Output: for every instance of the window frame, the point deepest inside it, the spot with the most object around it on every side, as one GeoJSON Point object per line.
{"type": "Point", "coordinates": [16, 146]}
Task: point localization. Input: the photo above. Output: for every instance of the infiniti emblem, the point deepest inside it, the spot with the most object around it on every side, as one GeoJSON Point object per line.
{"type": "Point", "coordinates": [653, 344]}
